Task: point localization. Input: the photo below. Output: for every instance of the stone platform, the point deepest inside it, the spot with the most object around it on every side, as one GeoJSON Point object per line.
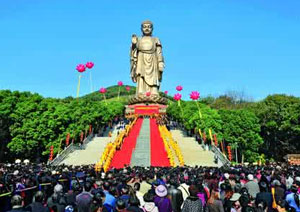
{"type": "Point", "coordinates": [145, 109]}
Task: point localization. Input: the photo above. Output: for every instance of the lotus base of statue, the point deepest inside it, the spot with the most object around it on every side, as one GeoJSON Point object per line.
{"type": "Point", "coordinates": [148, 99]}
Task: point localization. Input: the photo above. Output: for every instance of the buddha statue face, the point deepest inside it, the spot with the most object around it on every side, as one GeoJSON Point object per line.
{"type": "Point", "coordinates": [147, 29]}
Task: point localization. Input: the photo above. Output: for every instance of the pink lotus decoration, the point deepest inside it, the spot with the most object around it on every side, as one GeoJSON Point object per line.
{"type": "Point", "coordinates": [89, 65]}
{"type": "Point", "coordinates": [177, 97]}
{"type": "Point", "coordinates": [194, 95]}
{"type": "Point", "coordinates": [102, 90]}
{"type": "Point", "coordinates": [127, 88]}
{"type": "Point", "coordinates": [166, 92]}
{"type": "Point", "coordinates": [80, 68]}
{"type": "Point", "coordinates": [120, 83]}
{"type": "Point", "coordinates": [179, 88]}
{"type": "Point", "coordinates": [148, 93]}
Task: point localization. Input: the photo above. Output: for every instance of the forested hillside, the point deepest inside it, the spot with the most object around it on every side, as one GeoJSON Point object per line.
{"type": "Point", "coordinates": [266, 129]}
{"type": "Point", "coordinates": [30, 123]}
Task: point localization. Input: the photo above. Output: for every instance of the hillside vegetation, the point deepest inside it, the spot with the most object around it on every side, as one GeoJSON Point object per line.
{"type": "Point", "coordinates": [30, 123]}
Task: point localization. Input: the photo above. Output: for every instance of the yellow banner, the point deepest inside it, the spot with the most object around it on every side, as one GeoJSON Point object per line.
{"type": "Point", "coordinates": [200, 133]}
{"type": "Point", "coordinates": [210, 134]}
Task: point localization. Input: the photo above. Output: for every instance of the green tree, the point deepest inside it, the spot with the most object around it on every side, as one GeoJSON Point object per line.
{"type": "Point", "coordinates": [8, 101]}
{"type": "Point", "coordinates": [31, 122]}
{"type": "Point", "coordinates": [280, 125]}
{"type": "Point", "coordinates": [241, 129]}
{"type": "Point", "coordinates": [25, 130]}
{"type": "Point", "coordinates": [191, 120]}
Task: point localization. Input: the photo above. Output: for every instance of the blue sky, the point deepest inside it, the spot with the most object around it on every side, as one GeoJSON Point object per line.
{"type": "Point", "coordinates": [250, 46]}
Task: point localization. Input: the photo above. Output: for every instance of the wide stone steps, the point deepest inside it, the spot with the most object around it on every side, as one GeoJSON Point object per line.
{"type": "Point", "coordinates": [90, 155]}
{"type": "Point", "coordinates": [141, 154]}
{"type": "Point", "coordinates": [193, 153]}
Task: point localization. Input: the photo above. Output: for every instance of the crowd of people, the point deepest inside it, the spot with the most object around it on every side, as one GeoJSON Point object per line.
{"type": "Point", "coordinates": [38, 187]}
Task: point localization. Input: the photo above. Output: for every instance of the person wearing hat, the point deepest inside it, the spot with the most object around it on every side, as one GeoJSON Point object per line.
{"type": "Point", "coordinates": [17, 205]}
{"type": "Point", "coordinates": [252, 186]}
{"type": "Point", "coordinates": [149, 205]}
{"type": "Point", "coordinates": [236, 206]}
{"type": "Point", "coordinates": [57, 199]}
{"type": "Point", "coordinates": [161, 201]}
{"type": "Point", "coordinates": [26, 161]}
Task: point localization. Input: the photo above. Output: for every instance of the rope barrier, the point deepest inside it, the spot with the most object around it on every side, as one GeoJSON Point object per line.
{"type": "Point", "coordinates": [31, 188]}
{"type": "Point", "coordinates": [5, 194]}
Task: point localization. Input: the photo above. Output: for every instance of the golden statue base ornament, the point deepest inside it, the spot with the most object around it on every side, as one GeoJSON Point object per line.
{"type": "Point", "coordinates": [144, 99]}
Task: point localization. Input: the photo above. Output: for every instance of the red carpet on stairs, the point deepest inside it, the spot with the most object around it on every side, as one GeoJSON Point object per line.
{"type": "Point", "coordinates": [123, 156]}
{"type": "Point", "coordinates": [159, 155]}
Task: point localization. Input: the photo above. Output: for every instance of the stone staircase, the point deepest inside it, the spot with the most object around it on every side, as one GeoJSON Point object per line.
{"type": "Point", "coordinates": [141, 154]}
{"type": "Point", "coordinates": [91, 153]}
{"type": "Point", "coordinates": [193, 153]}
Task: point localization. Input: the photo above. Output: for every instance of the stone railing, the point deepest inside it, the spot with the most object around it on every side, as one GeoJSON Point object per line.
{"type": "Point", "coordinates": [69, 149]}
{"type": "Point", "coordinates": [87, 140]}
{"type": "Point", "coordinates": [220, 155]}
